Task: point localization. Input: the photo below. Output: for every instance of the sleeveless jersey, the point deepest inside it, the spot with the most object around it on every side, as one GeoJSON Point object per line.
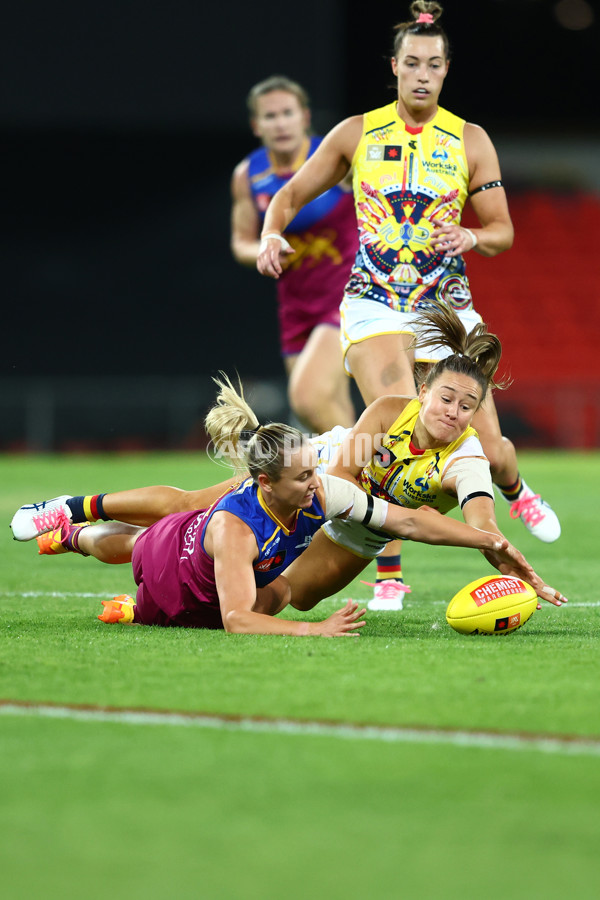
{"type": "Point", "coordinates": [403, 179]}
{"type": "Point", "coordinates": [175, 575]}
{"type": "Point", "coordinates": [277, 546]}
{"type": "Point", "coordinates": [265, 181]}
{"type": "Point", "coordinates": [412, 479]}
{"type": "Point", "coordinates": [324, 238]}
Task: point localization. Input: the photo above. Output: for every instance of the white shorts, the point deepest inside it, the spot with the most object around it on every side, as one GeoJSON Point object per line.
{"type": "Point", "coordinates": [363, 319]}
{"type": "Point", "coordinates": [351, 535]}
{"type": "Point", "coordinates": [327, 444]}
{"type": "Point", "coordinates": [356, 538]}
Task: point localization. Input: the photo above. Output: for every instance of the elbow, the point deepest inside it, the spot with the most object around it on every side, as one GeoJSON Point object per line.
{"type": "Point", "coordinates": [497, 241]}
{"type": "Point", "coordinates": [232, 622]}
{"type": "Point", "coordinates": [505, 243]}
{"type": "Point", "coordinates": [236, 252]}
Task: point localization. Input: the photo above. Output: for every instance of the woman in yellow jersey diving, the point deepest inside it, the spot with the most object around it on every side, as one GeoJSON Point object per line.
{"type": "Point", "coordinates": [414, 166]}
{"type": "Point", "coordinates": [413, 453]}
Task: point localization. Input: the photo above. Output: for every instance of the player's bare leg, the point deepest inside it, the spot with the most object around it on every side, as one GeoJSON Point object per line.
{"type": "Point", "coordinates": [140, 506]}
{"type": "Point", "coordinates": [384, 365]}
{"type": "Point", "coordinates": [274, 597]}
{"type": "Point", "coordinates": [321, 571]}
{"type": "Point", "coordinates": [318, 388]}
{"type": "Point", "coordinates": [109, 542]}
{"type": "Point", "coordinates": [144, 506]}
{"type": "Point", "coordinates": [499, 450]}
{"type": "Point", "coordinates": [537, 516]}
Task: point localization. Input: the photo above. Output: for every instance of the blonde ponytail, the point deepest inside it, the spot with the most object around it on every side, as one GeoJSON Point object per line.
{"type": "Point", "coordinates": [233, 428]}
{"type": "Point", "coordinates": [229, 417]}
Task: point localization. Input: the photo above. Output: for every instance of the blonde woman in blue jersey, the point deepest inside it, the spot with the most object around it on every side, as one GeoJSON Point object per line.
{"type": "Point", "coordinates": [414, 458]}
{"type": "Point", "coordinates": [224, 566]}
{"type": "Point", "coordinates": [414, 166]}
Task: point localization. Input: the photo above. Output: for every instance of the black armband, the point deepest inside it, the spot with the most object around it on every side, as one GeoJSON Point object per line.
{"type": "Point", "coordinates": [369, 512]}
{"type": "Point", "coordinates": [486, 187]}
{"type": "Point", "coordinates": [473, 495]}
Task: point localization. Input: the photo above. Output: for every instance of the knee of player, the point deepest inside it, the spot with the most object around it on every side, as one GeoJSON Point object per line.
{"type": "Point", "coordinates": [499, 452]}
{"type": "Point", "coordinates": [302, 597]}
{"type": "Point", "coordinates": [305, 404]}
{"type": "Point", "coordinates": [303, 604]}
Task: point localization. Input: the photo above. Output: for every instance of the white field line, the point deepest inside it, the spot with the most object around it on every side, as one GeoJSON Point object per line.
{"type": "Point", "coordinates": [555, 744]}
{"type": "Point", "coordinates": [91, 595]}
{"type": "Point", "coordinates": [29, 595]}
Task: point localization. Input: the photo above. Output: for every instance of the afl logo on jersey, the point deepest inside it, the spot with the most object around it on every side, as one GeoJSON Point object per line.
{"type": "Point", "coordinates": [390, 152]}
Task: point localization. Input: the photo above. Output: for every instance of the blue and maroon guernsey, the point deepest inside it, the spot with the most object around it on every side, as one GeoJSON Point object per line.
{"type": "Point", "coordinates": [325, 241]}
{"type": "Point", "coordinates": [175, 575]}
{"type": "Point", "coordinates": [265, 181]}
{"type": "Point", "coordinates": [277, 547]}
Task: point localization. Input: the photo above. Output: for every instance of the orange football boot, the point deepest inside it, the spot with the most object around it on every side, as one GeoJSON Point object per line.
{"type": "Point", "coordinates": [119, 609]}
{"type": "Point", "coordinates": [53, 542]}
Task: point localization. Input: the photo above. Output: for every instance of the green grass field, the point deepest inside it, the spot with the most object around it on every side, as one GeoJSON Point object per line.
{"type": "Point", "coordinates": [454, 793]}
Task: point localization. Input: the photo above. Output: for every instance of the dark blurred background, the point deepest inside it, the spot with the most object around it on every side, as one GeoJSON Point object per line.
{"type": "Point", "coordinates": [120, 125]}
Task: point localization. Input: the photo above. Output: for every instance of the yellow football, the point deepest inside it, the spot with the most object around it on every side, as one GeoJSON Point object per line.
{"type": "Point", "coordinates": [492, 605]}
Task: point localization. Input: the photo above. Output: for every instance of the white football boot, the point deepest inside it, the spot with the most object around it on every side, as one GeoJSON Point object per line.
{"type": "Point", "coordinates": [537, 516]}
{"type": "Point", "coordinates": [388, 594]}
{"type": "Point", "coordinates": [36, 519]}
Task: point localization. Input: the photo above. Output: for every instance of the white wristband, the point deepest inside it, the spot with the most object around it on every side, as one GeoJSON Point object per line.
{"type": "Point", "coordinates": [471, 235]}
{"type": "Point", "coordinates": [273, 234]}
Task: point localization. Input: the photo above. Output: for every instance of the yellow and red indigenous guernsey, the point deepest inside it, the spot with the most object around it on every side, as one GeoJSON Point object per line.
{"type": "Point", "coordinates": [405, 179]}
{"type": "Point", "coordinates": [407, 477]}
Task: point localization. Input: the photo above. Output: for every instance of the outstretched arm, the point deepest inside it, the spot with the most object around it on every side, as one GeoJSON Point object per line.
{"type": "Point", "coordinates": [342, 498]}
{"type": "Point", "coordinates": [248, 610]}
{"type": "Point", "coordinates": [479, 512]}
{"type": "Point", "coordinates": [328, 165]}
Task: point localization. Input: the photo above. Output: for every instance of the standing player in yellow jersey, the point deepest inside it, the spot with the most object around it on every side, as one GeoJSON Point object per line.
{"type": "Point", "coordinates": [414, 165]}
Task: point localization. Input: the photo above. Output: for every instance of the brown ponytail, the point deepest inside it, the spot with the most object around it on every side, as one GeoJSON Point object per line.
{"type": "Point", "coordinates": [476, 354]}
{"type": "Point", "coordinates": [424, 23]}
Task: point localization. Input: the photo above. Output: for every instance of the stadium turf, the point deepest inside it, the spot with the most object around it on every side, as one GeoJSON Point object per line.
{"type": "Point", "coordinates": [478, 777]}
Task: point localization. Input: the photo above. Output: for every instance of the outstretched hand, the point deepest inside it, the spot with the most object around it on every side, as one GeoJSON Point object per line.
{"type": "Point", "coordinates": [511, 562]}
{"type": "Point", "coordinates": [343, 622]}
{"type": "Point", "coordinates": [271, 252]}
